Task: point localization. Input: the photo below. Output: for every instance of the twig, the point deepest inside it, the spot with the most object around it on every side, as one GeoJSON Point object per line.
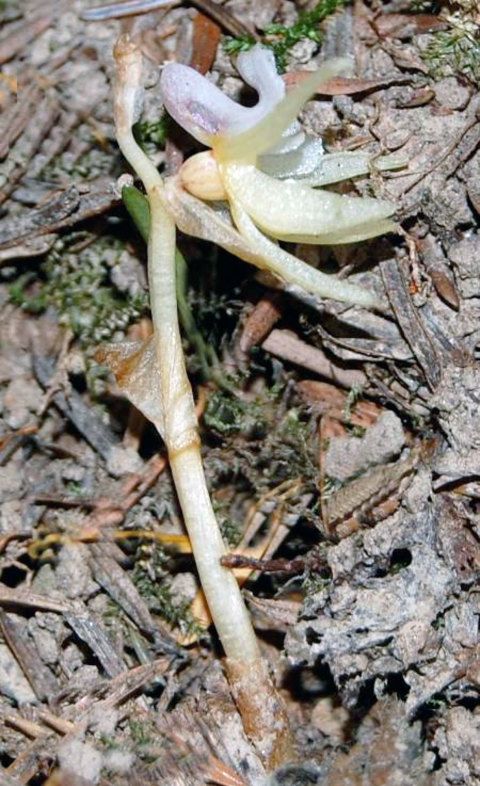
{"type": "Point", "coordinates": [132, 7]}
{"type": "Point", "coordinates": [16, 40]}
{"type": "Point", "coordinates": [92, 428]}
{"type": "Point", "coordinates": [421, 343]}
{"type": "Point", "coordinates": [27, 145]}
{"type": "Point", "coordinates": [287, 346]}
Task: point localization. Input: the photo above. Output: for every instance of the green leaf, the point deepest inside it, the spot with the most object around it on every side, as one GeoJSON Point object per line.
{"type": "Point", "coordinates": [138, 208]}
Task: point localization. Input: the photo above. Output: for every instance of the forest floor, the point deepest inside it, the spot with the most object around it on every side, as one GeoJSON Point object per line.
{"type": "Point", "coordinates": [341, 446]}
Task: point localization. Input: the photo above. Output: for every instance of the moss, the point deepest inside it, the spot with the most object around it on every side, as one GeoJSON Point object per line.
{"type": "Point", "coordinates": [281, 38]}
{"type": "Point", "coordinates": [227, 414]}
{"type": "Point", "coordinates": [142, 732]}
{"type": "Point", "coordinates": [78, 286]}
{"type": "Point", "coordinates": [152, 580]}
{"type": "Point", "coordinates": [151, 133]}
{"type": "Point", "coordinates": [260, 446]}
{"type": "Point", "coordinates": [456, 51]}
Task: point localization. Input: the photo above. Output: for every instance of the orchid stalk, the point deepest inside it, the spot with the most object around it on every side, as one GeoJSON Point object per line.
{"type": "Point", "coordinates": [155, 379]}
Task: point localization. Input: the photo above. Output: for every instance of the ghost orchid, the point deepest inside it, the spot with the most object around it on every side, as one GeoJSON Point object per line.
{"type": "Point", "coordinates": [154, 378]}
{"type": "Point", "coordinates": [266, 170]}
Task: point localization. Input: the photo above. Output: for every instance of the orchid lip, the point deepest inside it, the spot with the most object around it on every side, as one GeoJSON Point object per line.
{"type": "Point", "coordinates": [204, 111]}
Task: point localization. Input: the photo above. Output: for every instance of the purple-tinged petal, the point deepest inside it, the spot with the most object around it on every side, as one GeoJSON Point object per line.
{"type": "Point", "coordinates": [196, 104]}
{"type": "Point", "coordinates": [204, 111]}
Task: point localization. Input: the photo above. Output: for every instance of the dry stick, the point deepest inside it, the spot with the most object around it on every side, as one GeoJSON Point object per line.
{"type": "Point", "coordinates": [262, 713]}
{"type": "Point", "coordinates": [220, 15]}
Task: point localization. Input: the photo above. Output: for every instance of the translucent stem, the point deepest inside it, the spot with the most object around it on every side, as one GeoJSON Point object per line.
{"type": "Point", "coordinates": [179, 427]}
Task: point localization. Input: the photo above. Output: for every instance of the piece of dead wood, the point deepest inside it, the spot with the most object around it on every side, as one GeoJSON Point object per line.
{"type": "Point", "coordinates": [108, 573]}
{"type": "Point", "coordinates": [34, 247]}
{"type": "Point", "coordinates": [388, 751]}
{"type": "Point", "coordinates": [436, 264]}
{"type": "Point", "coordinates": [201, 724]}
{"type": "Point", "coordinates": [8, 780]}
{"type": "Point", "coordinates": [39, 221]}
{"type": "Point", "coordinates": [461, 147]}
{"type": "Point", "coordinates": [269, 565]}
{"type": "Point", "coordinates": [405, 56]}
{"type": "Point", "coordinates": [80, 414]}
{"type": "Point", "coordinates": [19, 34]}
{"type": "Point", "coordinates": [260, 322]}
{"type": "Point", "coordinates": [89, 630]}
{"type": "Point", "coordinates": [24, 598]}
{"type": "Point", "coordinates": [118, 690]}
{"type": "Point", "coordinates": [325, 399]}
{"type": "Point", "coordinates": [137, 485]}
{"type": "Point", "coordinates": [273, 613]}
{"type": "Point", "coordinates": [27, 763]}
{"type": "Point", "coordinates": [22, 152]}
{"type": "Point", "coordinates": [356, 335]}
{"type": "Point", "coordinates": [108, 512]}
{"type": "Point", "coordinates": [16, 117]}
{"type": "Point", "coordinates": [63, 210]}
{"type": "Point", "coordinates": [344, 510]}
{"type": "Point", "coordinates": [286, 345]}
{"type": "Point", "coordinates": [60, 725]}
{"type": "Point", "coordinates": [205, 39]}
{"type": "Point", "coordinates": [27, 727]}
{"type": "Point", "coordinates": [418, 97]}
{"type": "Point", "coordinates": [60, 138]}
{"type": "Point", "coordinates": [343, 85]}
{"type": "Point", "coordinates": [407, 25]}
{"type": "Point", "coordinates": [410, 322]}
{"type": "Point", "coordinates": [230, 23]}
{"type": "Point", "coordinates": [42, 680]}
{"type": "Point", "coordinates": [11, 441]}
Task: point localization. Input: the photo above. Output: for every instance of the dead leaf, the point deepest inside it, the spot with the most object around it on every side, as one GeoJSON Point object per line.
{"type": "Point", "coordinates": [406, 25]}
{"type": "Point", "coordinates": [205, 40]}
{"type": "Point", "coordinates": [339, 85]}
{"type": "Point", "coordinates": [135, 367]}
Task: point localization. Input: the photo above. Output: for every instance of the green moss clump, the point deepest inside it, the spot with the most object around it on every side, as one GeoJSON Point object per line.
{"type": "Point", "coordinates": [151, 133]}
{"type": "Point", "coordinates": [152, 579]}
{"type": "Point", "coordinates": [259, 445]}
{"type": "Point", "coordinates": [79, 287]}
{"type": "Point", "coordinates": [281, 38]}
{"type": "Point", "coordinates": [227, 414]}
{"type": "Point", "coordinates": [456, 51]}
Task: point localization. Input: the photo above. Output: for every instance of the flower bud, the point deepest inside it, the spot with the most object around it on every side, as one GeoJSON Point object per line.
{"type": "Point", "coordinates": [200, 176]}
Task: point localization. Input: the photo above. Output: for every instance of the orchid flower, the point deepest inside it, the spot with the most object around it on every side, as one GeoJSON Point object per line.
{"type": "Point", "coordinates": [267, 169]}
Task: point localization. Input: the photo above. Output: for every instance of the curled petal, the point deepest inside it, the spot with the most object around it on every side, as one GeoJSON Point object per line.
{"type": "Point", "coordinates": [310, 166]}
{"type": "Point", "coordinates": [205, 112]}
{"type": "Point", "coordinates": [300, 161]}
{"type": "Point", "coordinates": [196, 104]}
{"type": "Point", "coordinates": [257, 68]}
{"type": "Point", "coordinates": [269, 129]}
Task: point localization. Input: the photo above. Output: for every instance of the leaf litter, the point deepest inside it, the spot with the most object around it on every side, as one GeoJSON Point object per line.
{"type": "Point", "coordinates": [369, 617]}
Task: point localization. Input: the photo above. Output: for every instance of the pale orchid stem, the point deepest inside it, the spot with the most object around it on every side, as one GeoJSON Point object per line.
{"type": "Point", "coordinates": [179, 426]}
